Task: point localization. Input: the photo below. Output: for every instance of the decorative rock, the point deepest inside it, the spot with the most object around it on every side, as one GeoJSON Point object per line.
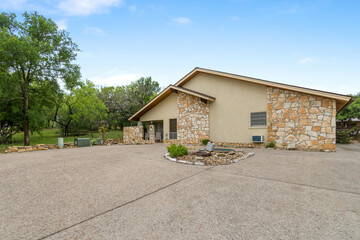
{"type": "Point", "coordinates": [211, 160]}
{"type": "Point", "coordinates": [42, 148]}
{"type": "Point", "coordinates": [199, 163]}
{"type": "Point", "coordinates": [202, 153]}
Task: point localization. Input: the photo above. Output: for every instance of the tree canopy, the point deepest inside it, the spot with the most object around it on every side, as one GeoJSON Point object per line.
{"type": "Point", "coordinates": [352, 111]}
{"type": "Point", "coordinates": [80, 110]}
{"type": "Point", "coordinates": [124, 101]}
{"type": "Point", "coordinates": [34, 54]}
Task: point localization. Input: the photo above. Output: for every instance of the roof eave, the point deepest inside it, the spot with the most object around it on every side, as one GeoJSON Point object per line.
{"type": "Point", "coordinates": [315, 92]}
{"type": "Point", "coordinates": [352, 99]}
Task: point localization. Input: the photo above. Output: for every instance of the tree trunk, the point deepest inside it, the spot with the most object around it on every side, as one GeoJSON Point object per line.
{"type": "Point", "coordinates": [66, 130]}
{"type": "Point", "coordinates": [26, 116]}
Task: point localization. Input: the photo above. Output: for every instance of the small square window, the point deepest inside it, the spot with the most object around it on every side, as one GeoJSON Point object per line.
{"type": "Point", "coordinates": [258, 119]}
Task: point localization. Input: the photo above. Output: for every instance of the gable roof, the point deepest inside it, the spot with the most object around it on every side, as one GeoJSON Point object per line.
{"type": "Point", "coordinates": [165, 93]}
{"type": "Point", "coordinates": [192, 92]}
{"type": "Point", "coordinates": [341, 100]}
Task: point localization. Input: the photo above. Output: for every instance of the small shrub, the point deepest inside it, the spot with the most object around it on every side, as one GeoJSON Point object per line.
{"type": "Point", "coordinates": [178, 150]}
{"type": "Point", "coordinates": [343, 136]}
{"type": "Point", "coordinates": [102, 131]}
{"type": "Point", "coordinates": [270, 145]}
{"type": "Point", "coordinates": [205, 141]}
{"type": "Point", "coordinates": [97, 141]}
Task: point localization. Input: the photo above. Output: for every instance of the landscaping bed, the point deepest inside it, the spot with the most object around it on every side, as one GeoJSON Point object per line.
{"type": "Point", "coordinates": [37, 147]}
{"type": "Point", "coordinates": [214, 158]}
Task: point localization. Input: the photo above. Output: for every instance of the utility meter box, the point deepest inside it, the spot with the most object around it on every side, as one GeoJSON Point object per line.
{"type": "Point", "coordinates": [60, 142]}
{"type": "Point", "coordinates": [82, 142]}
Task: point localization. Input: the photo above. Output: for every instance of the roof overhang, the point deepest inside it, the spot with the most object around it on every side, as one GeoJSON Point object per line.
{"type": "Point", "coordinates": [341, 100]}
{"type": "Point", "coordinates": [191, 92]}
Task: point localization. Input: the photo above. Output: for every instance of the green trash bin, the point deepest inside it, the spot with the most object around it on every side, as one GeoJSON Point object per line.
{"type": "Point", "coordinates": [82, 142]}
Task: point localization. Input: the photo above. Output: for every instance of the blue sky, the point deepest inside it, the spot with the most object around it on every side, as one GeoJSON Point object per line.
{"type": "Point", "coordinates": [312, 44]}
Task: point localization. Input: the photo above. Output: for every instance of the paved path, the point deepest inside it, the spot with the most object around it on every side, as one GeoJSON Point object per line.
{"type": "Point", "coordinates": [132, 192]}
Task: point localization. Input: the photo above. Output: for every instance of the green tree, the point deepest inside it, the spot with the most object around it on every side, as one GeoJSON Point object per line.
{"type": "Point", "coordinates": [124, 101]}
{"type": "Point", "coordinates": [138, 94]}
{"type": "Point", "coordinates": [142, 91]}
{"type": "Point", "coordinates": [114, 100]}
{"type": "Point", "coordinates": [11, 107]}
{"type": "Point", "coordinates": [352, 111]}
{"type": "Point", "coordinates": [80, 110]}
{"type": "Point", "coordinates": [32, 53]}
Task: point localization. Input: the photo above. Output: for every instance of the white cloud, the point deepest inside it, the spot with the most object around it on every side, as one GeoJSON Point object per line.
{"type": "Point", "coordinates": [235, 19]}
{"type": "Point", "coordinates": [87, 7]}
{"type": "Point", "coordinates": [95, 31]}
{"type": "Point", "coordinates": [133, 8]}
{"type": "Point", "coordinates": [12, 4]}
{"type": "Point", "coordinates": [116, 80]}
{"type": "Point", "coordinates": [182, 20]}
{"type": "Point", "coordinates": [306, 60]}
{"type": "Point", "coordinates": [62, 24]}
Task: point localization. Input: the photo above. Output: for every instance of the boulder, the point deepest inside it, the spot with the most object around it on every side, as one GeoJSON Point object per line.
{"type": "Point", "coordinates": [203, 153]}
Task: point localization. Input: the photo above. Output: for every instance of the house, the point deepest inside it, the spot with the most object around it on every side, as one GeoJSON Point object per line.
{"type": "Point", "coordinates": [236, 110]}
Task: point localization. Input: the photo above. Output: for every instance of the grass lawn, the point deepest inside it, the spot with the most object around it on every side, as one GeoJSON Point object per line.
{"type": "Point", "coordinates": [50, 136]}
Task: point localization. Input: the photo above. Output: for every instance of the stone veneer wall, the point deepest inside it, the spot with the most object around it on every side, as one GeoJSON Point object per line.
{"type": "Point", "coordinates": [192, 119]}
{"type": "Point", "coordinates": [135, 135]}
{"type": "Point", "coordinates": [297, 120]}
{"type": "Point", "coordinates": [151, 133]}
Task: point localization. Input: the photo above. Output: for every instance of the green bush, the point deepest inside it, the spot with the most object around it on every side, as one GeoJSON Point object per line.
{"type": "Point", "coordinates": [343, 136]}
{"type": "Point", "coordinates": [97, 141]}
{"type": "Point", "coordinates": [205, 141]}
{"type": "Point", "coordinates": [270, 145]}
{"type": "Point", "coordinates": [178, 150]}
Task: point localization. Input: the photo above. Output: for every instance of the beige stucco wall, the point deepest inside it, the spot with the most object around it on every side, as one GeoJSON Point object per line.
{"type": "Point", "coordinates": [165, 110]}
{"type": "Point", "coordinates": [230, 112]}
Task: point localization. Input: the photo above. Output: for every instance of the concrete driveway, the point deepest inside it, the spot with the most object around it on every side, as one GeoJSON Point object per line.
{"type": "Point", "coordinates": [132, 192]}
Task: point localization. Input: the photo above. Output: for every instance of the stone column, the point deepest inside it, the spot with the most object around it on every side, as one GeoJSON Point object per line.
{"type": "Point", "coordinates": [134, 135]}
{"type": "Point", "coordinates": [193, 122]}
{"type": "Point", "coordinates": [151, 133]}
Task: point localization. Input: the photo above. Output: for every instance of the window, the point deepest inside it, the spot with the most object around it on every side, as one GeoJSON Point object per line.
{"type": "Point", "coordinates": [173, 129]}
{"type": "Point", "coordinates": [258, 119]}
